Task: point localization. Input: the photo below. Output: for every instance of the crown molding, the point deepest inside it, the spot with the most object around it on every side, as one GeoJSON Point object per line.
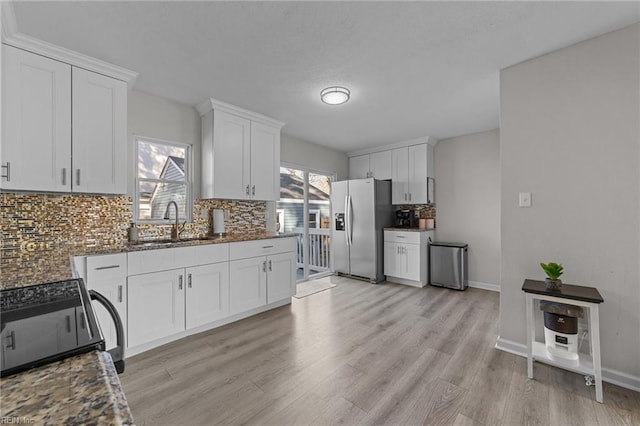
{"type": "Point", "coordinates": [213, 104]}
{"type": "Point", "coordinates": [12, 37]}
{"type": "Point", "coordinates": [425, 139]}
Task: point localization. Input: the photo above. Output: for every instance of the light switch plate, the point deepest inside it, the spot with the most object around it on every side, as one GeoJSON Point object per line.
{"type": "Point", "coordinates": [525, 199]}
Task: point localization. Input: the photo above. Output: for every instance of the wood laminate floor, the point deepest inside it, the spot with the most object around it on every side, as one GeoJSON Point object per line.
{"type": "Point", "coordinates": [363, 354]}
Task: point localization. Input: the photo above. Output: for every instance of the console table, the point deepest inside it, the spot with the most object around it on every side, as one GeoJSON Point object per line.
{"type": "Point", "coordinates": [576, 295]}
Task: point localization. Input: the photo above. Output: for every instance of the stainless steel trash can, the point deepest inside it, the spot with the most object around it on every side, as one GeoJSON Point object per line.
{"type": "Point", "coordinates": [448, 265]}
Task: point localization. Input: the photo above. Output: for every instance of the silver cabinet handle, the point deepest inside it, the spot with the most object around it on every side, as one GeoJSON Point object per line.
{"type": "Point", "coordinates": [68, 323]}
{"type": "Point", "coordinates": [78, 177]}
{"type": "Point", "coordinates": [7, 167]}
{"type": "Point", "coordinates": [270, 268]}
{"type": "Point", "coordinates": [12, 338]}
{"type": "Point", "coordinates": [266, 247]}
{"type": "Point", "coordinates": [264, 266]}
{"type": "Point", "coordinates": [101, 268]}
{"type": "Point", "coordinates": [253, 190]}
{"type": "Point", "coordinates": [398, 250]}
{"type": "Point", "coordinates": [405, 196]}
{"type": "Point", "coordinates": [64, 176]}
{"type": "Point", "coordinates": [119, 294]}
{"type": "Point", "coordinates": [180, 282]}
{"type": "Point", "coordinates": [189, 280]}
{"type": "Point", "coordinates": [409, 196]}
{"type": "Point", "coordinates": [247, 190]}
{"type": "Point", "coordinates": [400, 236]}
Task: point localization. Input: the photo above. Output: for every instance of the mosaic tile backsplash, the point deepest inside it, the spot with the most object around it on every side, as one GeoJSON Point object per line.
{"type": "Point", "coordinates": [36, 230]}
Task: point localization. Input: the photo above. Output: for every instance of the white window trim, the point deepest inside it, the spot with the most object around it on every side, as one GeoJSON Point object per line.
{"type": "Point", "coordinates": [188, 176]}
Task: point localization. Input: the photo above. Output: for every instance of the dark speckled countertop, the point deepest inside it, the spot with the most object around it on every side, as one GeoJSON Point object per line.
{"type": "Point", "coordinates": [36, 265]}
{"type": "Point", "coordinates": [80, 390]}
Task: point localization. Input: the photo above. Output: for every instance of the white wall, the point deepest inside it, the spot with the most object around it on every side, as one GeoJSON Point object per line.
{"type": "Point", "coordinates": [161, 118]}
{"type": "Point", "coordinates": [317, 157]}
{"type": "Point", "coordinates": [570, 135]}
{"type": "Point", "coordinates": [468, 200]}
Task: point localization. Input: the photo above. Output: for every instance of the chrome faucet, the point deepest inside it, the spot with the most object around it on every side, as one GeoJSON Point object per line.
{"type": "Point", "coordinates": [175, 235]}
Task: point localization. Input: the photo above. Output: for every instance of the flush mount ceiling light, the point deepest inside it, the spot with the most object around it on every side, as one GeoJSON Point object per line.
{"type": "Point", "coordinates": [335, 95]}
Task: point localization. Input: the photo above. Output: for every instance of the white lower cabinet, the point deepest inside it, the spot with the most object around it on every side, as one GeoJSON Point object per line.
{"type": "Point", "coordinates": [156, 305]}
{"type": "Point", "coordinates": [405, 257]}
{"type": "Point", "coordinates": [281, 276]}
{"type": "Point", "coordinates": [207, 296]}
{"type": "Point", "coordinates": [249, 284]}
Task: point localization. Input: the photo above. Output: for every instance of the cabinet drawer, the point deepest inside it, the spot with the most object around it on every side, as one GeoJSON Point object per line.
{"type": "Point", "coordinates": [211, 253]}
{"type": "Point", "coordinates": [402, 237]}
{"type": "Point", "coordinates": [106, 266]}
{"type": "Point", "coordinates": [246, 249]}
{"type": "Point", "coordinates": [141, 262]}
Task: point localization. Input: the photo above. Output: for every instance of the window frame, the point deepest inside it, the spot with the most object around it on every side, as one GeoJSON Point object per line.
{"type": "Point", "coordinates": [188, 182]}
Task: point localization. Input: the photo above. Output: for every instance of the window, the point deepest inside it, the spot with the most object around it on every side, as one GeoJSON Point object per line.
{"type": "Point", "coordinates": [163, 174]}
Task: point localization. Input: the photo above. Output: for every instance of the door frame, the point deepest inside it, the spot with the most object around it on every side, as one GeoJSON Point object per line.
{"type": "Point", "coordinates": [305, 236]}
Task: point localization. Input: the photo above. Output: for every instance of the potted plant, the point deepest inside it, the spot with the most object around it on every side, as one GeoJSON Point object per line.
{"type": "Point", "coordinates": [553, 271]}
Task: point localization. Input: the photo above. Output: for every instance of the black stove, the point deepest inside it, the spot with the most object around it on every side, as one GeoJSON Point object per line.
{"type": "Point", "coordinates": [48, 322]}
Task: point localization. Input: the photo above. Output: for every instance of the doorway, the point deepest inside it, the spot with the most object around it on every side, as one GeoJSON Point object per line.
{"type": "Point", "coordinates": [304, 209]}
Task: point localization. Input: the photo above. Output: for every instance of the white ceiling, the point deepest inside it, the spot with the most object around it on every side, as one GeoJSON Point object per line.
{"type": "Point", "coordinates": [414, 68]}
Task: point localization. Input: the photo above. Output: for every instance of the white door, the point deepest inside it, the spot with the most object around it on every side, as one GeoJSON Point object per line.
{"type": "Point", "coordinates": [115, 291]}
{"type": "Point", "coordinates": [412, 262]}
{"type": "Point", "coordinates": [249, 289]}
{"type": "Point", "coordinates": [207, 294]}
{"type": "Point", "coordinates": [156, 305]}
{"type": "Point", "coordinates": [418, 174]}
{"type": "Point", "coordinates": [281, 277]}
{"type": "Point", "coordinates": [391, 259]}
{"type": "Point", "coordinates": [400, 176]}
{"type": "Point", "coordinates": [265, 162]}
{"type": "Point", "coordinates": [381, 165]}
{"type": "Point", "coordinates": [231, 156]}
{"type": "Point", "coordinates": [36, 122]}
{"type": "Point", "coordinates": [99, 133]}
{"type": "Point", "coordinates": [359, 167]}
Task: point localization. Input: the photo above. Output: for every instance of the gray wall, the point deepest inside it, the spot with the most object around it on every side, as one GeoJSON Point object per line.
{"type": "Point", "coordinates": [570, 135]}
{"type": "Point", "coordinates": [161, 118]}
{"type": "Point", "coordinates": [468, 200]}
{"type": "Point", "coordinates": [303, 153]}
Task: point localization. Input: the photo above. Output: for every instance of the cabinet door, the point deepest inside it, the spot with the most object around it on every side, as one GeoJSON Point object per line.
{"type": "Point", "coordinates": [380, 164]}
{"type": "Point", "coordinates": [99, 133]}
{"type": "Point", "coordinates": [247, 284]}
{"type": "Point", "coordinates": [359, 167]}
{"type": "Point", "coordinates": [411, 262]}
{"type": "Point", "coordinates": [207, 294]}
{"type": "Point", "coordinates": [281, 277]}
{"type": "Point", "coordinates": [36, 122]}
{"type": "Point", "coordinates": [418, 174]}
{"type": "Point", "coordinates": [156, 306]}
{"type": "Point", "coordinates": [265, 162]}
{"type": "Point", "coordinates": [391, 259]}
{"type": "Point", "coordinates": [115, 290]}
{"type": "Point", "coordinates": [400, 176]}
{"type": "Point", "coordinates": [231, 156]}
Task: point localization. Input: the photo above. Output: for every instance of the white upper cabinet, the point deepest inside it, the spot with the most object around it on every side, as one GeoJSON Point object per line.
{"type": "Point", "coordinates": [240, 153]}
{"type": "Point", "coordinates": [99, 133]}
{"type": "Point", "coordinates": [265, 162]}
{"type": "Point", "coordinates": [359, 167]}
{"type": "Point", "coordinates": [412, 168]}
{"type": "Point", "coordinates": [64, 128]}
{"type": "Point", "coordinates": [376, 165]}
{"type": "Point", "coordinates": [36, 122]}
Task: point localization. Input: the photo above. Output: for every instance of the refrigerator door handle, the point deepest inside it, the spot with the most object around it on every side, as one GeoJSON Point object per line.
{"type": "Point", "coordinates": [346, 219]}
{"type": "Point", "coordinates": [349, 220]}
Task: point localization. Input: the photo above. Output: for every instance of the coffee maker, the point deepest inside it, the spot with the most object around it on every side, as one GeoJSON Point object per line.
{"type": "Point", "coordinates": [406, 219]}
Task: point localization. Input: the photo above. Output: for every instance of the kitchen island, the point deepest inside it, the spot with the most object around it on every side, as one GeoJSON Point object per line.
{"type": "Point", "coordinates": [80, 390]}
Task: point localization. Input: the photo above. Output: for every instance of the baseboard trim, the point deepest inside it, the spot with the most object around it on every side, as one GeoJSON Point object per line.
{"type": "Point", "coordinates": [609, 375]}
{"type": "Point", "coordinates": [485, 286]}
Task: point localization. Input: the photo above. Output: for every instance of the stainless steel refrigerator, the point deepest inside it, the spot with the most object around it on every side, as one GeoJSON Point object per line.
{"type": "Point", "coordinates": [361, 208]}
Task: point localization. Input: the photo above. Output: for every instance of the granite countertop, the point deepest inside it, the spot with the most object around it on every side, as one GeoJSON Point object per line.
{"type": "Point", "coordinates": [80, 390]}
{"type": "Point", "coordinates": [39, 264]}
{"type": "Point", "coordinates": [394, 228]}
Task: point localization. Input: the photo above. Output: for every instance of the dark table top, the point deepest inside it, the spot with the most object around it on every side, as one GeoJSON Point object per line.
{"type": "Point", "coordinates": [567, 291]}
